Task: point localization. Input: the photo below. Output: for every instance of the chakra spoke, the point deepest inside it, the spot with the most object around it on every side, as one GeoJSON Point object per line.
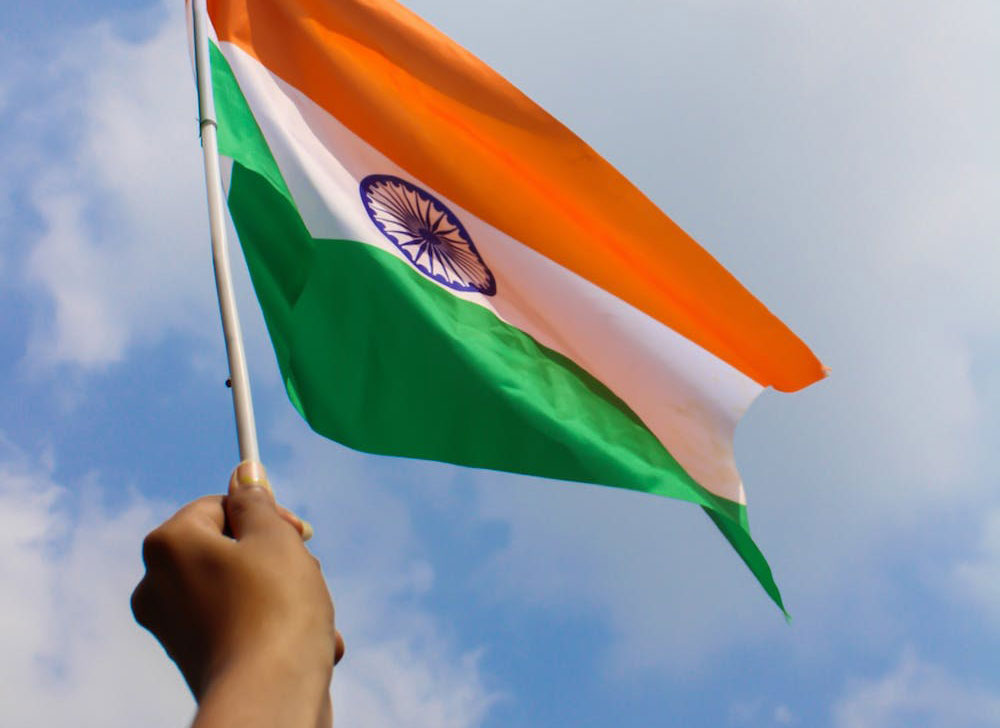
{"type": "Point", "coordinates": [436, 226]}
{"type": "Point", "coordinates": [450, 264]}
{"type": "Point", "coordinates": [427, 215]}
{"type": "Point", "coordinates": [434, 255]}
{"type": "Point", "coordinates": [399, 203]}
{"type": "Point", "coordinates": [393, 206]}
{"type": "Point", "coordinates": [427, 232]}
{"type": "Point", "coordinates": [413, 204]}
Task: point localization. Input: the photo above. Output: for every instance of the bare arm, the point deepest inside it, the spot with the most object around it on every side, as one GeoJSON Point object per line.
{"type": "Point", "coordinates": [239, 603]}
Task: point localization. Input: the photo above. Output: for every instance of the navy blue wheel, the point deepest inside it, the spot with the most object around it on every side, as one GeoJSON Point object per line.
{"type": "Point", "coordinates": [428, 234]}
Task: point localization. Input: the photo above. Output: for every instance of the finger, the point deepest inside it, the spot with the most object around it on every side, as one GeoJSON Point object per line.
{"type": "Point", "coordinates": [250, 506]}
{"type": "Point", "coordinates": [206, 512]}
{"type": "Point", "coordinates": [250, 473]}
{"type": "Point", "coordinates": [145, 605]}
{"type": "Point", "coordinates": [339, 648]}
{"type": "Point", "coordinates": [196, 525]}
{"type": "Point", "coordinates": [304, 528]}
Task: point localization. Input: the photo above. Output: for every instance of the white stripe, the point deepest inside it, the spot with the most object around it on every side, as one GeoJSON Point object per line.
{"type": "Point", "coordinates": [689, 398]}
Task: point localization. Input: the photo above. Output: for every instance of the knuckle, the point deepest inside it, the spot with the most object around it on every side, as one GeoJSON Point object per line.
{"type": "Point", "coordinates": [194, 507]}
{"type": "Point", "coordinates": [207, 500]}
{"type": "Point", "coordinates": [247, 502]}
{"type": "Point", "coordinates": [237, 507]}
{"type": "Point", "coordinates": [339, 648]}
{"type": "Point", "coordinates": [159, 548]}
{"type": "Point", "coordinates": [140, 603]}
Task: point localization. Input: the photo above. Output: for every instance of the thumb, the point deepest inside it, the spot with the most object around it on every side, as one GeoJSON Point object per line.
{"type": "Point", "coordinates": [250, 506]}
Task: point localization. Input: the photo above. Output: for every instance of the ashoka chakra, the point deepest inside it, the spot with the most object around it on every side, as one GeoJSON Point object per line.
{"type": "Point", "coordinates": [426, 232]}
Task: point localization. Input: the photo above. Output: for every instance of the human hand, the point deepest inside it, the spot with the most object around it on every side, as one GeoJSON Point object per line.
{"type": "Point", "coordinates": [241, 606]}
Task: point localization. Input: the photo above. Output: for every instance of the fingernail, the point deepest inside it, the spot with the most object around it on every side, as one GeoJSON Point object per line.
{"type": "Point", "coordinates": [251, 473]}
{"type": "Point", "coordinates": [307, 530]}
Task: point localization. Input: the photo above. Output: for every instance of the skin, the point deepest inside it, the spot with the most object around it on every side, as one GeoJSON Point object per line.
{"type": "Point", "coordinates": [241, 606]}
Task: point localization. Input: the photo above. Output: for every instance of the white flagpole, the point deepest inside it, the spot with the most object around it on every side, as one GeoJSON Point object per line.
{"type": "Point", "coordinates": [246, 430]}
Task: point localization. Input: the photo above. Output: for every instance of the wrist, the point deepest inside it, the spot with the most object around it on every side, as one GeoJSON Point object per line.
{"type": "Point", "coordinates": [277, 688]}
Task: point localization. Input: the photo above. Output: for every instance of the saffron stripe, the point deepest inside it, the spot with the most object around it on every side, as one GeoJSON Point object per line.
{"type": "Point", "coordinates": [451, 121]}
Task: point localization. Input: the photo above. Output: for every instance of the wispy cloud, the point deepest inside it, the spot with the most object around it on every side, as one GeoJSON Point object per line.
{"type": "Point", "coordinates": [122, 253]}
{"type": "Point", "coordinates": [404, 667]}
{"type": "Point", "coordinates": [760, 713]}
{"type": "Point", "coordinates": [846, 175]}
{"type": "Point", "coordinates": [978, 579]}
{"type": "Point", "coordinates": [916, 692]}
{"type": "Point", "coordinates": [72, 653]}
{"type": "Point", "coordinates": [848, 186]}
{"type": "Point", "coordinates": [120, 257]}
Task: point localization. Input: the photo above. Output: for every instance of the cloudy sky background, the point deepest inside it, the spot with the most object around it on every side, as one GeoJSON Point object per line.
{"type": "Point", "coordinates": [841, 158]}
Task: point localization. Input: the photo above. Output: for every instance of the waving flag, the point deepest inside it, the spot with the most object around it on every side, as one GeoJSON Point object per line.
{"type": "Point", "coordinates": [448, 273]}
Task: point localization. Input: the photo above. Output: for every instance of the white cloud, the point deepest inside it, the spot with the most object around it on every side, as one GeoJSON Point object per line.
{"type": "Point", "coordinates": [124, 255]}
{"type": "Point", "coordinates": [857, 198]}
{"type": "Point", "coordinates": [917, 693]}
{"type": "Point", "coordinates": [979, 580]}
{"type": "Point", "coordinates": [124, 261]}
{"type": "Point", "coordinates": [783, 715]}
{"type": "Point", "coordinates": [847, 184]}
{"type": "Point", "coordinates": [411, 684]}
{"type": "Point", "coordinates": [73, 654]}
{"type": "Point", "coordinates": [757, 713]}
{"type": "Point", "coordinates": [647, 565]}
{"type": "Point", "coordinates": [403, 666]}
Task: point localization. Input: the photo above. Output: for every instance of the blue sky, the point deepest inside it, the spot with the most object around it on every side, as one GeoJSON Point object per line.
{"type": "Point", "coordinates": [839, 157]}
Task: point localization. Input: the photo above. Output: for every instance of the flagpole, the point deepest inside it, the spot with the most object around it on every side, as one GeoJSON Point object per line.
{"type": "Point", "coordinates": [246, 430]}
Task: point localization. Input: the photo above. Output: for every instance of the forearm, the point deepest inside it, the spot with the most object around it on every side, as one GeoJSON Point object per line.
{"type": "Point", "coordinates": [265, 693]}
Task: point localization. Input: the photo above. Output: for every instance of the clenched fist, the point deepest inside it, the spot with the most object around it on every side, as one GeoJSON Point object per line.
{"type": "Point", "coordinates": [239, 603]}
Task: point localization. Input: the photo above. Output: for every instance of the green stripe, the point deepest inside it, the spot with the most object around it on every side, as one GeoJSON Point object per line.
{"type": "Point", "coordinates": [377, 357]}
{"type": "Point", "coordinates": [239, 135]}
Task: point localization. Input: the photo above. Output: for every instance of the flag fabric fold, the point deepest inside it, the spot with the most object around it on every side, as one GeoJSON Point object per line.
{"type": "Point", "coordinates": [448, 273]}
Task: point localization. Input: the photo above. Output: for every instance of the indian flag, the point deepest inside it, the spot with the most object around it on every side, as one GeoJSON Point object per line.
{"type": "Point", "coordinates": [449, 273]}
